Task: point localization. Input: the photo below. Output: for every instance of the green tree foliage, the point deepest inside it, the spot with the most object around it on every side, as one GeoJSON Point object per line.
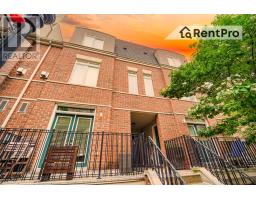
{"type": "Point", "coordinates": [223, 72]}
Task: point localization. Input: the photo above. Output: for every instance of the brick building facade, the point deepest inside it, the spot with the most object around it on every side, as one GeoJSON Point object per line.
{"type": "Point", "coordinates": [113, 83]}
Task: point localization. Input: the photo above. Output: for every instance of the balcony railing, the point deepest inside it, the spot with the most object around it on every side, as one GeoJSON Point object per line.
{"type": "Point", "coordinates": [186, 152]}
{"type": "Point", "coordinates": [41, 155]}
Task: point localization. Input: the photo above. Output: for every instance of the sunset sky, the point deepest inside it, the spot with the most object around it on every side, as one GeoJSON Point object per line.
{"type": "Point", "coordinates": [148, 30]}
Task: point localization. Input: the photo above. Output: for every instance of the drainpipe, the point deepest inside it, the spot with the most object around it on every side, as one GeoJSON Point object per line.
{"type": "Point", "coordinates": [25, 88]}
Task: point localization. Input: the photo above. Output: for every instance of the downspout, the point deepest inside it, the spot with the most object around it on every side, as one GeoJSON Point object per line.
{"type": "Point", "coordinates": [24, 89]}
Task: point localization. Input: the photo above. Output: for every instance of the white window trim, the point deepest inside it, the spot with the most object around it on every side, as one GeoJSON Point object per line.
{"type": "Point", "coordinates": [132, 69]}
{"type": "Point", "coordinates": [147, 72]}
{"type": "Point", "coordinates": [84, 58]}
{"type": "Point", "coordinates": [7, 101]}
{"type": "Point", "coordinates": [94, 38]}
{"type": "Point", "coordinates": [25, 108]}
{"type": "Point", "coordinates": [190, 98]}
{"type": "Point", "coordinates": [133, 73]}
{"type": "Point", "coordinates": [90, 64]}
{"type": "Point", "coordinates": [149, 77]}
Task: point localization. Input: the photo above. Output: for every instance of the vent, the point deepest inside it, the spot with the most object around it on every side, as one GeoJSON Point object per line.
{"type": "Point", "coordinates": [21, 71]}
{"type": "Point", "coordinates": [23, 107]}
{"type": "Point", "coordinates": [3, 104]}
{"type": "Point", "coordinates": [44, 75]}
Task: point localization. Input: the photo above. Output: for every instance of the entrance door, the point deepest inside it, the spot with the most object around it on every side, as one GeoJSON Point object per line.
{"type": "Point", "coordinates": [156, 136]}
{"type": "Point", "coordinates": [71, 130]}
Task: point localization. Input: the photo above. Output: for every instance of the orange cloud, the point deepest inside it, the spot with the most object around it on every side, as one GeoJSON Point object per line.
{"type": "Point", "coordinates": [149, 30]}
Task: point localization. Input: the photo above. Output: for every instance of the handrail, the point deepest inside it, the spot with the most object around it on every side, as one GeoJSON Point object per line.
{"type": "Point", "coordinates": [163, 167]}
{"type": "Point", "coordinates": [186, 152]}
{"type": "Point", "coordinates": [232, 167]}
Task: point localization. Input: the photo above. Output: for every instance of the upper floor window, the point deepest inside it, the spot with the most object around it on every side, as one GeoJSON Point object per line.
{"type": "Point", "coordinates": [93, 42]}
{"type": "Point", "coordinates": [175, 62]}
{"type": "Point", "coordinates": [85, 73]}
{"type": "Point", "coordinates": [132, 81]}
{"type": "Point", "coordinates": [3, 104]}
{"type": "Point", "coordinates": [148, 85]}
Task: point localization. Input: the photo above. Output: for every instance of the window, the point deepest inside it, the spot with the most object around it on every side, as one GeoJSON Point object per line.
{"type": "Point", "coordinates": [175, 62]}
{"type": "Point", "coordinates": [3, 104]}
{"type": "Point", "coordinates": [76, 110]}
{"type": "Point", "coordinates": [191, 98]}
{"type": "Point", "coordinates": [91, 41]}
{"type": "Point", "coordinates": [85, 73]}
{"type": "Point", "coordinates": [148, 85]}
{"type": "Point", "coordinates": [23, 107]}
{"type": "Point", "coordinates": [195, 128]}
{"type": "Point", "coordinates": [132, 81]}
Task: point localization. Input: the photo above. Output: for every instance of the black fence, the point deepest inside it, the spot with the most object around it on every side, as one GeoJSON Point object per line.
{"type": "Point", "coordinates": [45, 155]}
{"type": "Point", "coordinates": [19, 153]}
{"type": "Point", "coordinates": [30, 154]}
{"type": "Point", "coordinates": [185, 152]}
{"type": "Point", "coordinates": [232, 149]}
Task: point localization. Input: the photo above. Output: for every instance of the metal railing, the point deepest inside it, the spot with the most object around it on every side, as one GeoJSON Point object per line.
{"type": "Point", "coordinates": [162, 166]}
{"type": "Point", "coordinates": [232, 149]}
{"type": "Point", "coordinates": [193, 153]}
{"type": "Point", "coordinates": [19, 153]}
{"type": "Point", "coordinates": [42, 155]}
{"type": "Point", "coordinates": [30, 154]}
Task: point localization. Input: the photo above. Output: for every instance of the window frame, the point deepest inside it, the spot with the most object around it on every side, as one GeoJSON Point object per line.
{"type": "Point", "coordinates": [134, 74]}
{"type": "Point", "coordinates": [194, 125]}
{"type": "Point", "coordinates": [7, 101]}
{"type": "Point", "coordinates": [147, 76]}
{"type": "Point", "coordinates": [25, 107]}
{"type": "Point", "coordinates": [93, 42]}
{"type": "Point", "coordinates": [87, 64]}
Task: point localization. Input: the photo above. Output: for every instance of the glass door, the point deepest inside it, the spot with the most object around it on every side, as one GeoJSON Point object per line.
{"type": "Point", "coordinates": [61, 128]}
{"type": "Point", "coordinates": [68, 129]}
{"type": "Point", "coordinates": [81, 137]}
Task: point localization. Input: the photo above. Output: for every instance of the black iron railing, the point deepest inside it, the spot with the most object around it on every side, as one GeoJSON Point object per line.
{"type": "Point", "coordinates": [30, 154]}
{"type": "Point", "coordinates": [19, 153]}
{"type": "Point", "coordinates": [193, 153]}
{"type": "Point", "coordinates": [232, 149]}
{"type": "Point", "coordinates": [158, 162]}
{"type": "Point", "coordinates": [46, 155]}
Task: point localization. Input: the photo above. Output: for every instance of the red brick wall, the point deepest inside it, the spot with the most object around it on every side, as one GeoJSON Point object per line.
{"type": "Point", "coordinates": [37, 116]}
{"type": "Point", "coordinates": [102, 119]}
{"type": "Point", "coordinates": [120, 121]}
{"type": "Point", "coordinates": [114, 106]}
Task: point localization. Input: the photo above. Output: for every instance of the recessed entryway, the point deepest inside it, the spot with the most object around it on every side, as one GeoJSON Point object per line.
{"type": "Point", "coordinates": [145, 122]}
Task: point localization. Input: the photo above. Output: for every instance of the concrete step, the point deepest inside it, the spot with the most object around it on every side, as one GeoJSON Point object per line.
{"type": "Point", "coordinates": [190, 177]}
{"type": "Point", "coordinates": [113, 180]}
{"type": "Point", "coordinates": [201, 183]}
